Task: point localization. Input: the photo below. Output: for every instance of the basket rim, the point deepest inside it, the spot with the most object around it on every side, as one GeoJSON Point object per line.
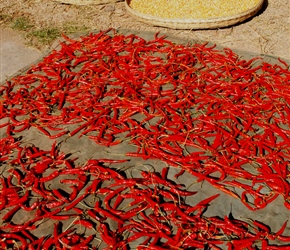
{"type": "Point", "coordinates": [253, 10]}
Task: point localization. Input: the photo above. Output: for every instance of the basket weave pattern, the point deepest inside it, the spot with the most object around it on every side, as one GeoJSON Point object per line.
{"type": "Point", "coordinates": [86, 2]}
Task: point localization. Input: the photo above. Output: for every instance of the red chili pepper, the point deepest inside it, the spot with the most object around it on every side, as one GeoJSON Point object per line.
{"type": "Point", "coordinates": [50, 177]}
{"type": "Point", "coordinates": [31, 207]}
{"type": "Point", "coordinates": [264, 228]}
{"type": "Point", "coordinates": [25, 126]}
{"type": "Point", "coordinates": [53, 150]}
{"type": "Point", "coordinates": [284, 238]}
{"type": "Point", "coordinates": [202, 204]}
{"type": "Point", "coordinates": [84, 243]}
{"type": "Point", "coordinates": [42, 130]}
{"type": "Point", "coordinates": [48, 243]}
{"type": "Point", "coordinates": [20, 200]}
{"type": "Point", "coordinates": [60, 196]}
{"type": "Point", "coordinates": [93, 214]}
{"type": "Point", "coordinates": [135, 211]}
{"type": "Point", "coordinates": [181, 172]}
{"type": "Point", "coordinates": [85, 223]}
{"type": "Point", "coordinates": [58, 135]}
{"type": "Point", "coordinates": [106, 235]}
{"type": "Point", "coordinates": [182, 192]}
{"type": "Point", "coordinates": [86, 124]}
{"type": "Point", "coordinates": [28, 235]}
{"type": "Point", "coordinates": [76, 201]}
{"type": "Point", "coordinates": [61, 217]}
{"type": "Point", "coordinates": [138, 235]}
{"type": "Point", "coordinates": [15, 236]}
{"type": "Point", "coordinates": [54, 204]}
{"type": "Point", "coordinates": [154, 177]}
{"type": "Point", "coordinates": [75, 171]}
{"type": "Point", "coordinates": [8, 216]}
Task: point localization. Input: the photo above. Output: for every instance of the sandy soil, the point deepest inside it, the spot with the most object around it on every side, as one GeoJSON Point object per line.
{"type": "Point", "coordinates": [266, 33]}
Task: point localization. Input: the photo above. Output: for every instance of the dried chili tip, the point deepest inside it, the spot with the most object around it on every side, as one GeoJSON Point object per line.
{"type": "Point", "coordinates": [287, 203]}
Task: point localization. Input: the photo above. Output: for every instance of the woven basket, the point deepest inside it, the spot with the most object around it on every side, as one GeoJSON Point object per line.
{"type": "Point", "coordinates": [209, 23]}
{"type": "Point", "coordinates": [86, 2]}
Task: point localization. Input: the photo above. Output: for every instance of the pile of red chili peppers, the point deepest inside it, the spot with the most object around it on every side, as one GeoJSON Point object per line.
{"type": "Point", "coordinates": [223, 119]}
{"type": "Point", "coordinates": [93, 204]}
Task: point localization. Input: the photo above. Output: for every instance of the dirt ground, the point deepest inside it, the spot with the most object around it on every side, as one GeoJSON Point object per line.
{"type": "Point", "coordinates": [266, 33]}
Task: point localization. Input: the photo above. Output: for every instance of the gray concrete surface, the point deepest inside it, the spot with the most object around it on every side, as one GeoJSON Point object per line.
{"type": "Point", "coordinates": [14, 54]}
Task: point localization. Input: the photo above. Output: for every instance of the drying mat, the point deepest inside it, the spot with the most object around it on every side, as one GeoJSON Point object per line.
{"type": "Point", "coordinates": [210, 23]}
{"type": "Point", "coordinates": [86, 2]}
{"type": "Point", "coordinates": [274, 215]}
{"type": "Point", "coordinates": [147, 35]}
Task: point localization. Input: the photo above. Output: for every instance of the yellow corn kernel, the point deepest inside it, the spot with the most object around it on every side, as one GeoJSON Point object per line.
{"type": "Point", "coordinates": [196, 9]}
